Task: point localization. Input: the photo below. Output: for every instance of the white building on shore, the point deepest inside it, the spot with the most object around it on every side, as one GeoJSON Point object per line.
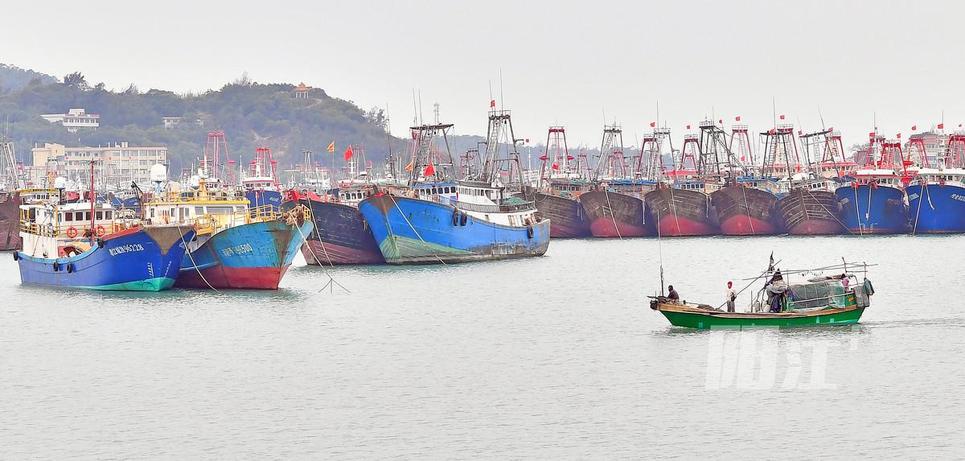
{"type": "Point", "coordinates": [74, 119]}
{"type": "Point", "coordinates": [115, 164]}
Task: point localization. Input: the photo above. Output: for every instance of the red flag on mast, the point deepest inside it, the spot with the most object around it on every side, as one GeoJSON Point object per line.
{"type": "Point", "coordinates": [348, 153]}
{"type": "Point", "coordinates": [492, 103]}
{"type": "Point", "coordinates": [737, 118]}
{"type": "Point", "coordinates": [941, 126]}
{"type": "Point", "coordinates": [430, 170]}
{"type": "Point", "coordinates": [653, 124]}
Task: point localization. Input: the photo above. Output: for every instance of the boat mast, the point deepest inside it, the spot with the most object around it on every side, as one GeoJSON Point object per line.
{"type": "Point", "coordinates": [712, 141]}
{"type": "Point", "coordinates": [612, 162]}
{"type": "Point", "coordinates": [422, 136]}
{"type": "Point", "coordinates": [93, 199]}
{"type": "Point", "coordinates": [8, 162]}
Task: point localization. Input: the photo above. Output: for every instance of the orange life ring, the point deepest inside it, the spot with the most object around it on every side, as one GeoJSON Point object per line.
{"type": "Point", "coordinates": [71, 232]}
{"type": "Point", "coordinates": [100, 231]}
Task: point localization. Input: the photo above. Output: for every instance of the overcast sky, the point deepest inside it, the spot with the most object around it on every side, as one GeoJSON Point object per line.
{"type": "Point", "coordinates": [562, 62]}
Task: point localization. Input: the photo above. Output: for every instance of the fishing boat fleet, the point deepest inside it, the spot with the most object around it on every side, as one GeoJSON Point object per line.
{"type": "Point", "coordinates": [213, 230]}
{"type": "Point", "coordinates": [803, 184]}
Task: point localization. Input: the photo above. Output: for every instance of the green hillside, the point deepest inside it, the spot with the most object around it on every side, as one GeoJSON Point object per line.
{"type": "Point", "coordinates": [251, 114]}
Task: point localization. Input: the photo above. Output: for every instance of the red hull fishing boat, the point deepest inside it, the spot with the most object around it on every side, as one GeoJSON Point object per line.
{"type": "Point", "coordinates": [681, 208]}
{"type": "Point", "coordinates": [743, 208]}
{"type": "Point", "coordinates": [746, 203]}
{"type": "Point", "coordinates": [615, 208]}
{"type": "Point", "coordinates": [561, 182]}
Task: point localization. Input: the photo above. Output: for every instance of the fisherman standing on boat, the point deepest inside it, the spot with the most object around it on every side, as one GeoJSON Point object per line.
{"type": "Point", "coordinates": [776, 287]}
{"type": "Point", "coordinates": [730, 296]}
{"type": "Point", "coordinates": [672, 294]}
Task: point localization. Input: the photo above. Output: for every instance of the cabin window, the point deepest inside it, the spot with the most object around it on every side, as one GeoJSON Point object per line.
{"type": "Point", "coordinates": [100, 215]}
{"type": "Point", "coordinates": [68, 216]}
{"type": "Point", "coordinates": [151, 214]}
{"type": "Point", "coordinates": [198, 210]}
{"type": "Point", "coordinates": [108, 215]}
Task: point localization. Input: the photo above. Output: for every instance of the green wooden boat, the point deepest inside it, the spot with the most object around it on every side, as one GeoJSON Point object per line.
{"type": "Point", "coordinates": [820, 301]}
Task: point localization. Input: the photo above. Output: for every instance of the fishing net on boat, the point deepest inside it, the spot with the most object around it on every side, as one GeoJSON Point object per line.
{"type": "Point", "coordinates": [816, 295]}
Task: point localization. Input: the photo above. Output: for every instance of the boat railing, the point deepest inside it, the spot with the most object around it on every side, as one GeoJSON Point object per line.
{"type": "Point", "coordinates": [61, 231]}
{"type": "Point", "coordinates": [264, 213]}
{"type": "Point", "coordinates": [214, 222]}
{"type": "Point", "coordinates": [480, 208]}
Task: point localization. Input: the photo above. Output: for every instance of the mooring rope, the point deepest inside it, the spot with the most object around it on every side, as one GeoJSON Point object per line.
{"type": "Point", "coordinates": [191, 257]}
{"type": "Point", "coordinates": [747, 208]}
{"type": "Point", "coordinates": [331, 280]}
{"type": "Point", "coordinates": [606, 193]}
{"type": "Point", "coordinates": [311, 214]}
{"type": "Point", "coordinates": [857, 211]}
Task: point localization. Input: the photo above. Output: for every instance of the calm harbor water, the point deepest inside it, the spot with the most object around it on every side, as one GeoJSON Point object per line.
{"type": "Point", "coordinates": [550, 357]}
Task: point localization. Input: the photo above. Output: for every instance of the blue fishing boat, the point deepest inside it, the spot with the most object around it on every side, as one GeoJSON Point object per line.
{"type": "Point", "coordinates": [237, 246]}
{"type": "Point", "coordinates": [478, 219]}
{"type": "Point", "coordinates": [75, 245]}
{"type": "Point", "coordinates": [874, 203]}
{"type": "Point", "coordinates": [936, 201]}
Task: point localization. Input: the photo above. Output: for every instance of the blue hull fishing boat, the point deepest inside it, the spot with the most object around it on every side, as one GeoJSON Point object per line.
{"type": "Point", "coordinates": [936, 201]}
{"type": "Point", "coordinates": [136, 259]}
{"type": "Point", "coordinates": [873, 204]}
{"type": "Point", "coordinates": [412, 230]}
{"type": "Point", "coordinates": [875, 201]}
{"type": "Point", "coordinates": [237, 246]}
{"type": "Point", "coordinates": [250, 256]}
{"type": "Point", "coordinates": [482, 220]}
{"type": "Point", "coordinates": [95, 246]}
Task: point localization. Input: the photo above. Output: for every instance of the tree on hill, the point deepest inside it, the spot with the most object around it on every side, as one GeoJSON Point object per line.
{"type": "Point", "coordinates": [76, 80]}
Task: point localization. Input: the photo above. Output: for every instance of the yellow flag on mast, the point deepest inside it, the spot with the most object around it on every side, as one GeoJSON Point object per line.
{"type": "Point", "coordinates": [331, 148]}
